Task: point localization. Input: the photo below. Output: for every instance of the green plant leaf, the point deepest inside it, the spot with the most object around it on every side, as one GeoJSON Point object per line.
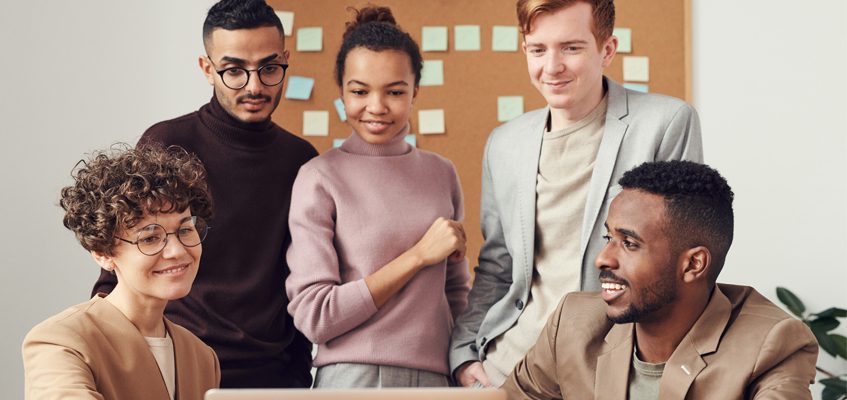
{"type": "Point", "coordinates": [836, 383]}
{"type": "Point", "coordinates": [831, 394]}
{"type": "Point", "coordinates": [823, 324]}
{"type": "Point", "coordinates": [833, 312]}
{"type": "Point", "coordinates": [840, 344]}
{"type": "Point", "coordinates": [825, 342]}
{"type": "Point", "coordinates": [791, 301]}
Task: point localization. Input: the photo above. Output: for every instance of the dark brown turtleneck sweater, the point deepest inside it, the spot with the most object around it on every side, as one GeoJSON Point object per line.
{"type": "Point", "coordinates": [238, 303]}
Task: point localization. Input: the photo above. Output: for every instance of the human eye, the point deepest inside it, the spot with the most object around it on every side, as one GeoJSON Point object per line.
{"type": "Point", "coordinates": [536, 51]}
{"type": "Point", "coordinates": [270, 68]}
{"type": "Point", "coordinates": [185, 230]}
{"type": "Point", "coordinates": [629, 244]}
{"type": "Point", "coordinates": [607, 238]}
{"type": "Point", "coordinates": [234, 71]}
{"type": "Point", "coordinates": [149, 238]}
{"type": "Point", "coordinates": [359, 92]}
{"type": "Point", "coordinates": [396, 92]}
{"type": "Point", "coordinates": [571, 49]}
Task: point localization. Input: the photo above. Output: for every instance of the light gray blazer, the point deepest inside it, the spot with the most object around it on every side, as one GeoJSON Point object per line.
{"type": "Point", "coordinates": [639, 127]}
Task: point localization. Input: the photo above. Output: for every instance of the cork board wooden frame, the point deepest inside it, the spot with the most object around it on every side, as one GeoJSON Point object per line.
{"type": "Point", "coordinates": [473, 80]}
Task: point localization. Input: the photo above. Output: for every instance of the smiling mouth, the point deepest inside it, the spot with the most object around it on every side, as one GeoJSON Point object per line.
{"type": "Point", "coordinates": [611, 290]}
{"type": "Point", "coordinates": [177, 269]}
{"type": "Point", "coordinates": [375, 125]}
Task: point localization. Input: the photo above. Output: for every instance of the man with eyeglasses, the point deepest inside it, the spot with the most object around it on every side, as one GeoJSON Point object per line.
{"type": "Point", "coordinates": [237, 304]}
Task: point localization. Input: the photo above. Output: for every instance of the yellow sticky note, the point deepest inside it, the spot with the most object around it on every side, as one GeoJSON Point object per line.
{"type": "Point", "coordinates": [624, 36]}
{"type": "Point", "coordinates": [432, 73]}
{"type": "Point", "coordinates": [509, 107]}
{"type": "Point", "coordinates": [434, 38]}
{"type": "Point", "coordinates": [636, 69]}
{"type": "Point", "coordinates": [315, 123]}
{"type": "Point", "coordinates": [466, 37]}
{"type": "Point", "coordinates": [504, 38]}
{"type": "Point", "coordinates": [310, 39]}
{"type": "Point", "coordinates": [431, 122]}
{"type": "Point", "coordinates": [287, 19]}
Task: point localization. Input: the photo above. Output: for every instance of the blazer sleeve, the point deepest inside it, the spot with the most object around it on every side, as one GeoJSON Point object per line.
{"type": "Point", "coordinates": [682, 139]}
{"type": "Point", "coordinates": [322, 306]}
{"type": "Point", "coordinates": [456, 287]}
{"type": "Point", "coordinates": [492, 277]}
{"type": "Point", "coordinates": [55, 366]}
{"type": "Point", "coordinates": [786, 364]}
{"type": "Point", "coordinates": [535, 375]}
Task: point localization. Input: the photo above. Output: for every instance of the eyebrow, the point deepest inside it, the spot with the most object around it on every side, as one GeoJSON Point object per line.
{"type": "Point", "coordinates": [240, 61]}
{"type": "Point", "coordinates": [182, 221]}
{"type": "Point", "coordinates": [566, 43]}
{"type": "Point", "coordinates": [629, 232]}
{"type": "Point", "coordinates": [398, 83]}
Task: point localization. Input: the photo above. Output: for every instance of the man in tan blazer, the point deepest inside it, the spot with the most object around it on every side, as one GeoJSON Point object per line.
{"type": "Point", "coordinates": [661, 328]}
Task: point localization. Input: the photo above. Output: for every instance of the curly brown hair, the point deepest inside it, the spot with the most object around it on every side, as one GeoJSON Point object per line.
{"type": "Point", "coordinates": [114, 189]}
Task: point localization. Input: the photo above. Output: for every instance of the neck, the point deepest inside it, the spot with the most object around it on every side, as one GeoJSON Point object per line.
{"type": "Point", "coordinates": [219, 112]}
{"type": "Point", "coordinates": [146, 314]}
{"type": "Point", "coordinates": [560, 118]}
{"type": "Point", "coordinates": [659, 337]}
{"type": "Point", "coordinates": [394, 147]}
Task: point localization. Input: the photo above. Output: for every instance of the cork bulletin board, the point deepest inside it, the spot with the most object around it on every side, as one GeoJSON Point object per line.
{"type": "Point", "coordinates": [473, 80]}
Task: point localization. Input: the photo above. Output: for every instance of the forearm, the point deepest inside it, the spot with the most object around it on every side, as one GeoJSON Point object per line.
{"type": "Point", "coordinates": [388, 280]}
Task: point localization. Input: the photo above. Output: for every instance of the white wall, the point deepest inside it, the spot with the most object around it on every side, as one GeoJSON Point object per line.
{"type": "Point", "coordinates": [76, 76]}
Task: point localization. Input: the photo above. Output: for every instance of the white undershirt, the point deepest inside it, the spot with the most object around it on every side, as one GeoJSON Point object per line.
{"type": "Point", "coordinates": [163, 352]}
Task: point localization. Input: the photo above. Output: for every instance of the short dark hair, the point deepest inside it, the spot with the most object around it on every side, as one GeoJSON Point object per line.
{"type": "Point", "coordinates": [698, 204]}
{"type": "Point", "coordinates": [239, 14]}
{"type": "Point", "coordinates": [113, 189]}
{"type": "Point", "coordinates": [375, 28]}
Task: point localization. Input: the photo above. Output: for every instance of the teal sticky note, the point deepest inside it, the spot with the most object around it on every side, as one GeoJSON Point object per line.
{"type": "Point", "coordinates": [337, 142]}
{"type": "Point", "coordinates": [339, 108]}
{"type": "Point", "coordinates": [509, 107]}
{"type": "Point", "coordinates": [434, 38]}
{"type": "Point", "coordinates": [624, 36]}
{"type": "Point", "coordinates": [410, 139]}
{"type": "Point", "coordinates": [299, 88]}
{"type": "Point", "coordinates": [504, 38]}
{"type": "Point", "coordinates": [466, 37]}
{"type": "Point", "coordinates": [638, 87]}
{"type": "Point", "coordinates": [310, 39]}
{"type": "Point", "coordinates": [432, 73]}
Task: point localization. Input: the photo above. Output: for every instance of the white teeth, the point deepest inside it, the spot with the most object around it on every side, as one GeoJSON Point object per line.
{"type": "Point", "coordinates": [612, 286]}
{"type": "Point", "coordinates": [172, 270]}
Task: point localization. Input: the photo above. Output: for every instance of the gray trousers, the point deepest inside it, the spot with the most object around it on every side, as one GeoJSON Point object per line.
{"type": "Point", "coordinates": [349, 375]}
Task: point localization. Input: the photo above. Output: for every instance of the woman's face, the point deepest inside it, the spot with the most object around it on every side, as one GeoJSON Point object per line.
{"type": "Point", "coordinates": [378, 89]}
{"type": "Point", "coordinates": [167, 275]}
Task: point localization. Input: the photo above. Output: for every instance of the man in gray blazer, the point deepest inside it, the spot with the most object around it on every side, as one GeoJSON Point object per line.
{"type": "Point", "coordinates": [548, 179]}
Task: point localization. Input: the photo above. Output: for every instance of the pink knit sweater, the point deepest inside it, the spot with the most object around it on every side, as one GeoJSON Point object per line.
{"type": "Point", "coordinates": [353, 210]}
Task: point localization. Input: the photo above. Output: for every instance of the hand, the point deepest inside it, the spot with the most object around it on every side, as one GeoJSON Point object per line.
{"type": "Point", "coordinates": [472, 372]}
{"type": "Point", "coordinates": [444, 238]}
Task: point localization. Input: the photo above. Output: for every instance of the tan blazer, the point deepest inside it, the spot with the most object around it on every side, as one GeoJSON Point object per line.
{"type": "Point", "coordinates": [92, 351]}
{"type": "Point", "coordinates": [742, 347]}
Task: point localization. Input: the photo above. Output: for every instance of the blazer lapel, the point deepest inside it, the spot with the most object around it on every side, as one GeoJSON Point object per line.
{"type": "Point", "coordinates": [612, 378]}
{"type": "Point", "coordinates": [687, 362]}
{"type": "Point", "coordinates": [529, 148]}
{"type": "Point", "coordinates": [607, 154]}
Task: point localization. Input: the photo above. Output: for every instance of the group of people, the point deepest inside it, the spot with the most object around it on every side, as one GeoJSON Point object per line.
{"type": "Point", "coordinates": [604, 235]}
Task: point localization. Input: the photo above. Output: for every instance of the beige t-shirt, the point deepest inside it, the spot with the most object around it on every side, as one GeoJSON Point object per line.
{"type": "Point", "coordinates": [644, 379]}
{"type": "Point", "coordinates": [564, 173]}
{"type": "Point", "coordinates": [163, 352]}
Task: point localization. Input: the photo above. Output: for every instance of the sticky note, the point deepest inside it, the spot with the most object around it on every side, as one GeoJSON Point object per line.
{"type": "Point", "coordinates": [434, 38]}
{"type": "Point", "coordinates": [410, 139]}
{"type": "Point", "coordinates": [624, 39]}
{"type": "Point", "coordinates": [310, 39]}
{"type": "Point", "coordinates": [299, 88]}
{"type": "Point", "coordinates": [337, 142]}
{"type": "Point", "coordinates": [466, 37]}
{"type": "Point", "coordinates": [504, 38]}
{"type": "Point", "coordinates": [339, 108]}
{"type": "Point", "coordinates": [636, 69]}
{"type": "Point", "coordinates": [509, 107]}
{"type": "Point", "coordinates": [432, 73]}
{"type": "Point", "coordinates": [287, 19]}
{"type": "Point", "coordinates": [315, 123]}
{"type": "Point", "coordinates": [430, 121]}
{"type": "Point", "coordinates": [638, 87]}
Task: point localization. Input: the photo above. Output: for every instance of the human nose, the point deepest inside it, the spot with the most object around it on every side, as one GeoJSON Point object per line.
{"type": "Point", "coordinates": [173, 247]}
{"type": "Point", "coordinates": [254, 84]}
{"type": "Point", "coordinates": [376, 104]}
{"type": "Point", "coordinates": [554, 63]}
{"type": "Point", "coordinates": [606, 258]}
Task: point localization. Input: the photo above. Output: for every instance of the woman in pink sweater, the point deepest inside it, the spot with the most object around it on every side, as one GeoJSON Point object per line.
{"type": "Point", "coordinates": [378, 270]}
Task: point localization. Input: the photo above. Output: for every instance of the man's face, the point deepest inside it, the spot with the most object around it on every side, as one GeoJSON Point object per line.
{"type": "Point", "coordinates": [564, 61]}
{"type": "Point", "coordinates": [638, 270]}
{"type": "Point", "coordinates": [250, 49]}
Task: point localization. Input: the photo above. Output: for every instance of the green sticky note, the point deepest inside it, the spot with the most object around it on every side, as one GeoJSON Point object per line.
{"type": "Point", "coordinates": [504, 38]}
{"type": "Point", "coordinates": [432, 73]}
{"type": "Point", "coordinates": [434, 38]}
{"type": "Point", "coordinates": [638, 87]}
{"type": "Point", "coordinates": [310, 39]}
{"type": "Point", "coordinates": [624, 36]}
{"type": "Point", "coordinates": [509, 107]}
{"type": "Point", "coordinates": [339, 108]}
{"type": "Point", "coordinates": [466, 38]}
{"type": "Point", "coordinates": [337, 142]}
{"type": "Point", "coordinates": [410, 139]}
{"type": "Point", "coordinates": [299, 88]}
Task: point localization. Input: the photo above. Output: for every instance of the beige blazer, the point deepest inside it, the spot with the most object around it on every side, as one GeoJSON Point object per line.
{"type": "Point", "coordinates": [92, 351]}
{"type": "Point", "coordinates": [742, 347]}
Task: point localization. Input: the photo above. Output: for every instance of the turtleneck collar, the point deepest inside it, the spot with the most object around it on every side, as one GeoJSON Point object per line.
{"type": "Point", "coordinates": [394, 147]}
{"type": "Point", "coordinates": [234, 131]}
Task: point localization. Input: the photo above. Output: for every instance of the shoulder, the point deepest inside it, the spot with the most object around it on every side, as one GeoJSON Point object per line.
{"type": "Point", "coordinates": [435, 161]}
{"type": "Point", "coordinates": [167, 130]}
{"type": "Point", "coordinates": [296, 144]}
{"type": "Point", "coordinates": [632, 104]}
{"type": "Point", "coordinates": [512, 129]}
{"type": "Point", "coordinates": [755, 315]}
{"type": "Point", "coordinates": [70, 327]}
{"type": "Point", "coordinates": [583, 312]}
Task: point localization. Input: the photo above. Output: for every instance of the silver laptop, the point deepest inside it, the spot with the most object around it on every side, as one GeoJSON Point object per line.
{"type": "Point", "coordinates": [357, 394]}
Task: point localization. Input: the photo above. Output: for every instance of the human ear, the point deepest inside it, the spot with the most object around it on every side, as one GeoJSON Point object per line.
{"type": "Point", "coordinates": [207, 68]}
{"type": "Point", "coordinates": [610, 48]}
{"type": "Point", "coordinates": [696, 263]}
{"type": "Point", "coordinates": [103, 260]}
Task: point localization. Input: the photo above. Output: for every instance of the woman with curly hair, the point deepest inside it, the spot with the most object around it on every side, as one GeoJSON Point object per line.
{"type": "Point", "coordinates": [141, 213]}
